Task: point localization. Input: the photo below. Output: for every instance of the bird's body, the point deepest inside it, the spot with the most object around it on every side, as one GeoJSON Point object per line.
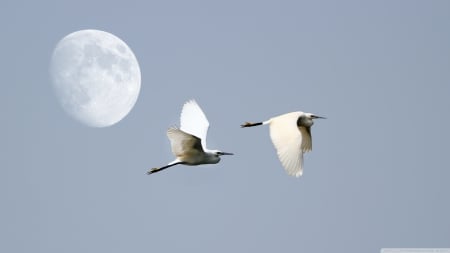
{"type": "Point", "coordinates": [291, 136]}
{"type": "Point", "coordinates": [188, 148]}
{"type": "Point", "coordinates": [188, 142]}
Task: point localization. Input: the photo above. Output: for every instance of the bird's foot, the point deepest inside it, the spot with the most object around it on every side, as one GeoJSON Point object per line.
{"type": "Point", "coordinates": [249, 124]}
{"type": "Point", "coordinates": [152, 170]}
{"type": "Point", "coordinates": [246, 124]}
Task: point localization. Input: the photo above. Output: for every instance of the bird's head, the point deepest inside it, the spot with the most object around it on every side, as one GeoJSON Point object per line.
{"type": "Point", "coordinates": [213, 156]}
{"type": "Point", "coordinates": [306, 119]}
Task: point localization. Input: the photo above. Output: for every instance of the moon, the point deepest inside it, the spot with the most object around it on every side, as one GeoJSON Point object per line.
{"type": "Point", "coordinates": [96, 77]}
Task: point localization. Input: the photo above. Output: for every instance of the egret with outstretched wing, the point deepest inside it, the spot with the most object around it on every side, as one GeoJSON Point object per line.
{"type": "Point", "coordinates": [291, 136]}
{"type": "Point", "coordinates": [188, 142]}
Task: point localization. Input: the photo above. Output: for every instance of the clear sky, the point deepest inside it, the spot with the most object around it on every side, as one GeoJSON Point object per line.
{"type": "Point", "coordinates": [378, 175]}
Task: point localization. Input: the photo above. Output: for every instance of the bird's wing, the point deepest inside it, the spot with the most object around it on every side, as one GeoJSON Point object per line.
{"type": "Point", "coordinates": [287, 140]}
{"type": "Point", "coordinates": [306, 139]}
{"type": "Point", "coordinates": [183, 144]}
{"type": "Point", "coordinates": [194, 121]}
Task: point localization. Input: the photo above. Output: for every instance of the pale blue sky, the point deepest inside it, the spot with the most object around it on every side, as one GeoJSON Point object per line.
{"type": "Point", "coordinates": [378, 175]}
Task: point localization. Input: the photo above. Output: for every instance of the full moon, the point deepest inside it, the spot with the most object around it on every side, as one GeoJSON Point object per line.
{"type": "Point", "coordinates": [96, 77]}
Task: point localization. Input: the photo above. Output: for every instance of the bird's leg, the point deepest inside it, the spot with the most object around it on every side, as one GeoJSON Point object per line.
{"type": "Point", "coordinates": [154, 170]}
{"type": "Point", "coordinates": [249, 124]}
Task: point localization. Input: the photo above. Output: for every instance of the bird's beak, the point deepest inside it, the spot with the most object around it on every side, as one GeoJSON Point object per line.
{"type": "Point", "coordinates": [225, 153]}
{"type": "Point", "coordinates": [317, 117]}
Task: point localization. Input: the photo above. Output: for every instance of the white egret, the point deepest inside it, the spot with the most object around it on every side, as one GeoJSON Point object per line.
{"type": "Point", "coordinates": [291, 136]}
{"type": "Point", "coordinates": [189, 141]}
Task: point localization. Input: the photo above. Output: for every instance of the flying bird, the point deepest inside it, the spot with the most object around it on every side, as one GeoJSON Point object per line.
{"type": "Point", "coordinates": [188, 142]}
{"type": "Point", "coordinates": [291, 136]}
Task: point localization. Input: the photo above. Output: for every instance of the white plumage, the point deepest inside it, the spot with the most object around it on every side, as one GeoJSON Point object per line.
{"type": "Point", "coordinates": [291, 136]}
{"type": "Point", "coordinates": [193, 120]}
{"type": "Point", "coordinates": [188, 142]}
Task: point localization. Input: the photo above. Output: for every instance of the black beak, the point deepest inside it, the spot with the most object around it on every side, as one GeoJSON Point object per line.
{"type": "Point", "coordinates": [317, 117]}
{"type": "Point", "coordinates": [225, 153]}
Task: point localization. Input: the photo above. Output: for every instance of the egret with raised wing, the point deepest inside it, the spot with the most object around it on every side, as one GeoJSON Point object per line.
{"type": "Point", "coordinates": [188, 142]}
{"type": "Point", "coordinates": [291, 136]}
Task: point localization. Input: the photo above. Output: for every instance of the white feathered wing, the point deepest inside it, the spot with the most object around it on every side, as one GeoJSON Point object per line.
{"type": "Point", "coordinates": [289, 142]}
{"type": "Point", "coordinates": [193, 121]}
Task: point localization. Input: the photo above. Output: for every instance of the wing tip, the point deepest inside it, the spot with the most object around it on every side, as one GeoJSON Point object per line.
{"type": "Point", "coordinates": [295, 173]}
{"type": "Point", "coordinates": [191, 101]}
{"type": "Point", "coordinates": [173, 128]}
